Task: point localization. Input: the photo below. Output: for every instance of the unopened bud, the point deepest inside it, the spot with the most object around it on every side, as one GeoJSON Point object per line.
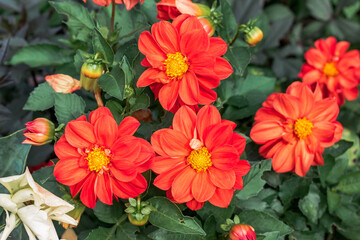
{"type": "Point", "coordinates": [39, 132]}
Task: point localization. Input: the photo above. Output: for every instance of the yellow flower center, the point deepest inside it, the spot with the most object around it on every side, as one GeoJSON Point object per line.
{"type": "Point", "coordinates": [97, 159]}
{"type": "Point", "coordinates": [303, 128]}
{"type": "Point", "coordinates": [330, 69]}
{"type": "Point", "coordinates": [176, 65]}
{"type": "Point", "coordinates": [200, 160]}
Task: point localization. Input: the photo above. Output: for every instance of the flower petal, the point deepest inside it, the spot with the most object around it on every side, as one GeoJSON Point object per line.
{"type": "Point", "coordinates": [222, 197]}
{"type": "Point", "coordinates": [79, 134]}
{"type": "Point", "coordinates": [168, 95]}
{"type": "Point", "coordinates": [106, 131]}
{"type": "Point", "coordinates": [181, 186]}
{"type": "Point", "coordinates": [202, 188]}
{"type": "Point", "coordinates": [152, 51]}
{"type": "Point", "coordinates": [207, 117]}
{"type": "Point", "coordinates": [222, 179]}
{"type": "Point", "coordinates": [166, 36]}
{"type": "Point", "coordinates": [184, 121]}
{"type": "Point", "coordinates": [189, 89]}
{"type": "Point", "coordinates": [128, 126]}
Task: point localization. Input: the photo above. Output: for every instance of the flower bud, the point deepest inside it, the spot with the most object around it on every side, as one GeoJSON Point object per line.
{"type": "Point", "coordinates": [90, 72]}
{"type": "Point", "coordinates": [62, 83]}
{"type": "Point", "coordinates": [242, 232]}
{"type": "Point", "coordinates": [138, 212]}
{"type": "Point", "coordinates": [39, 132]}
{"type": "Point", "coordinates": [253, 35]}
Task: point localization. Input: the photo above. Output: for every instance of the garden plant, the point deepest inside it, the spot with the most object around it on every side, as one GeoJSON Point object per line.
{"type": "Point", "coordinates": [179, 119]}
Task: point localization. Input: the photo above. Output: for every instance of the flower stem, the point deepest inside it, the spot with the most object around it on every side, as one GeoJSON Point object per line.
{"type": "Point", "coordinates": [112, 18]}
{"type": "Point", "coordinates": [98, 98]}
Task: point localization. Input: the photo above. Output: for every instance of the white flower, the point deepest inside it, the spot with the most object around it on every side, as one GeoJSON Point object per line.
{"type": "Point", "coordinates": [34, 206]}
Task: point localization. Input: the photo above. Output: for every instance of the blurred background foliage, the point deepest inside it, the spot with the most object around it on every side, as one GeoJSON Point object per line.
{"type": "Point", "coordinates": [37, 40]}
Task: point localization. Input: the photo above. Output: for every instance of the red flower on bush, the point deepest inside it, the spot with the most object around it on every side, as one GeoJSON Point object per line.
{"type": "Point", "coordinates": [185, 64]}
{"type": "Point", "coordinates": [333, 68]}
{"type": "Point", "coordinates": [129, 4]}
{"type": "Point", "coordinates": [101, 159]}
{"type": "Point", "coordinates": [170, 9]}
{"type": "Point", "coordinates": [199, 158]}
{"type": "Point", "coordinates": [295, 127]}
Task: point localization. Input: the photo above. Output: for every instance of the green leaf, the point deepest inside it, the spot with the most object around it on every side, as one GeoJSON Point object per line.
{"type": "Point", "coordinates": [255, 89]}
{"type": "Point", "coordinates": [141, 102]}
{"type": "Point", "coordinates": [126, 67]}
{"type": "Point", "coordinates": [239, 57]}
{"type": "Point", "coordinates": [13, 154]}
{"type": "Point", "coordinates": [320, 9]}
{"type": "Point", "coordinates": [263, 222]}
{"type": "Point", "coordinates": [325, 169]}
{"type": "Point", "coordinates": [349, 184]}
{"type": "Point", "coordinates": [116, 109]}
{"type": "Point", "coordinates": [126, 231]}
{"type": "Point", "coordinates": [113, 83]}
{"type": "Point", "coordinates": [169, 217]}
{"type": "Point", "coordinates": [295, 187]}
{"type": "Point", "coordinates": [229, 26]}
{"type": "Point", "coordinates": [269, 236]}
{"type": "Point", "coordinates": [338, 148]}
{"type": "Point", "coordinates": [42, 54]}
{"type": "Point", "coordinates": [101, 45]}
{"type": "Point", "coordinates": [253, 183]}
{"type": "Point", "coordinates": [101, 233]}
{"type": "Point", "coordinates": [79, 20]}
{"type": "Point", "coordinates": [162, 234]}
{"type": "Point", "coordinates": [36, 101]}
{"type": "Point", "coordinates": [309, 205]}
{"type": "Point", "coordinates": [68, 107]}
{"type": "Point", "coordinates": [108, 213]}
{"type": "Point", "coordinates": [333, 200]}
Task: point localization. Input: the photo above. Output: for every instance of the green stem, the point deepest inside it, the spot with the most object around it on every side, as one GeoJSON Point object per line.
{"type": "Point", "coordinates": [112, 18]}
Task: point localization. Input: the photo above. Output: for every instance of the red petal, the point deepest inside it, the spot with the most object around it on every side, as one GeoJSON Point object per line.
{"type": "Point", "coordinates": [79, 134]}
{"type": "Point", "coordinates": [217, 47]}
{"type": "Point", "coordinates": [87, 195]}
{"type": "Point", "coordinates": [189, 89]}
{"type": "Point", "coordinates": [324, 131]}
{"type": "Point", "coordinates": [223, 68]}
{"type": "Point", "coordinates": [174, 143]}
{"type": "Point", "coordinates": [224, 157]}
{"type": "Point", "coordinates": [206, 95]}
{"type": "Point", "coordinates": [315, 58]}
{"type": "Point", "coordinates": [222, 197]}
{"type": "Point", "coordinates": [124, 175]}
{"type": "Point", "coordinates": [98, 113]}
{"type": "Point", "coordinates": [193, 42]}
{"type": "Point", "coordinates": [149, 47]}
{"type": "Point", "coordinates": [181, 186]}
{"type": "Point", "coordinates": [64, 150]}
{"type": "Point", "coordinates": [184, 121]}
{"type": "Point", "coordinates": [128, 126]}
{"type": "Point", "coordinates": [303, 159]}
{"type": "Point", "coordinates": [267, 130]}
{"type": "Point", "coordinates": [222, 179]}
{"type": "Point", "coordinates": [69, 173]}
{"type": "Point", "coordinates": [168, 95]}
{"type": "Point", "coordinates": [147, 77]}
{"type": "Point", "coordinates": [166, 36]}
{"type": "Point", "coordinates": [239, 142]}
{"type": "Point", "coordinates": [103, 189]}
{"type": "Point", "coordinates": [206, 118]}
{"type": "Point", "coordinates": [283, 160]}
{"type": "Point", "coordinates": [288, 106]}
{"type": "Point", "coordinates": [106, 131]}
{"type": "Point", "coordinates": [194, 205]}
{"type": "Point", "coordinates": [162, 164]}
{"type": "Point", "coordinates": [165, 180]}
{"type": "Point", "coordinates": [324, 110]}
{"type": "Point", "coordinates": [219, 135]}
{"type": "Point", "coordinates": [202, 188]}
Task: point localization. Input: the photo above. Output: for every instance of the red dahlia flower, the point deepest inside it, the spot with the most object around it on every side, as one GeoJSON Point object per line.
{"type": "Point", "coordinates": [185, 64]}
{"type": "Point", "coordinates": [295, 127]}
{"type": "Point", "coordinates": [129, 4]}
{"type": "Point", "coordinates": [199, 158]}
{"type": "Point", "coordinates": [333, 68]}
{"type": "Point", "coordinates": [101, 159]}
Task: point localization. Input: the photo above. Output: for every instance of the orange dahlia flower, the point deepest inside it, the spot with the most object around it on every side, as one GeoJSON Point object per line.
{"type": "Point", "coordinates": [101, 159]}
{"type": "Point", "coordinates": [129, 4]}
{"type": "Point", "coordinates": [199, 158]}
{"type": "Point", "coordinates": [295, 127]}
{"type": "Point", "coordinates": [330, 65]}
{"type": "Point", "coordinates": [185, 63]}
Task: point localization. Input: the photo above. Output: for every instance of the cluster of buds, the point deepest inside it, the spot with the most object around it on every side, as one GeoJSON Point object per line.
{"type": "Point", "coordinates": [238, 231]}
{"type": "Point", "coordinates": [252, 33]}
{"type": "Point", "coordinates": [138, 212]}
